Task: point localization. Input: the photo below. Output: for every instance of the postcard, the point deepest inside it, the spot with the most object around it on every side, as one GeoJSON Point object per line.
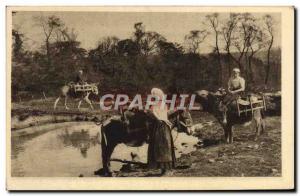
{"type": "Point", "coordinates": [150, 98]}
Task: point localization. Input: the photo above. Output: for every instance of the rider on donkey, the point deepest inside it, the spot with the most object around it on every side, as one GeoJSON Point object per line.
{"type": "Point", "coordinates": [236, 86]}
{"type": "Point", "coordinates": [80, 79]}
{"type": "Point", "coordinates": [81, 82]}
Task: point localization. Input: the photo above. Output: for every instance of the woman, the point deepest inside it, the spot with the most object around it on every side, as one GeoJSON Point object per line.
{"type": "Point", "coordinates": [236, 87]}
{"type": "Point", "coordinates": [161, 154]}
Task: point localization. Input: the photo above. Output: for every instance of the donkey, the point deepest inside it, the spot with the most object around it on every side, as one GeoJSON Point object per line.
{"type": "Point", "coordinates": [227, 116]}
{"type": "Point", "coordinates": [113, 132]}
{"type": "Point", "coordinates": [69, 91]}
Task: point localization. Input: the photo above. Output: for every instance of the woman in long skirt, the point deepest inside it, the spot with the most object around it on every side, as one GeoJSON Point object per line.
{"type": "Point", "coordinates": [161, 154]}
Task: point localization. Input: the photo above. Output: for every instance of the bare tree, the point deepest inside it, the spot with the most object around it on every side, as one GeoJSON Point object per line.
{"type": "Point", "coordinates": [64, 34]}
{"type": "Point", "coordinates": [213, 22]}
{"type": "Point", "coordinates": [228, 31]}
{"type": "Point", "coordinates": [243, 37]}
{"type": "Point", "coordinates": [48, 25]}
{"type": "Point", "coordinates": [255, 44]}
{"type": "Point", "coordinates": [269, 22]}
{"type": "Point", "coordinates": [194, 39]}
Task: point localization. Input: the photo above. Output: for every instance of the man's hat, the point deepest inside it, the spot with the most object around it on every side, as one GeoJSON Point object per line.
{"type": "Point", "coordinates": [237, 70]}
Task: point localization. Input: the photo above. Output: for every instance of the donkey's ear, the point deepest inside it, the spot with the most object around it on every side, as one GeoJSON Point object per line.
{"type": "Point", "coordinates": [202, 93]}
{"type": "Point", "coordinates": [218, 93]}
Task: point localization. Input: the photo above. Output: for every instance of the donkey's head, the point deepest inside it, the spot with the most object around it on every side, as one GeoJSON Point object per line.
{"type": "Point", "coordinates": [183, 121]}
{"type": "Point", "coordinates": [95, 88]}
{"type": "Point", "coordinates": [212, 103]}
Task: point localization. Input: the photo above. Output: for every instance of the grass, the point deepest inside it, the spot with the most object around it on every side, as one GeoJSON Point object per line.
{"type": "Point", "coordinates": [45, 106]}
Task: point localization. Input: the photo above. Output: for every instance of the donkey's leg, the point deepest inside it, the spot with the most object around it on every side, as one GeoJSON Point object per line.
{"type": "Point", "coordinates": [226, 134]}
{"type": "Point", "coordinates": [55, 103]}
{"type": "Point", "coordinates": [105, 154]}
{"type": "Point", "coordinates": [79, 104]}
{"type": "Point", "coordinates": [257, 128]}
{"type": "Point", "coordinates": [254, 128]}
{"type": "Point", "coordinates": [259, 124]}
{"type": "Point", "coordinates": [262, 122]}
{"type": "Point", "coordinates": [86, 98]}
{"type": "Point", "coordinates": [263, 125]}
{"type": "Point", "coordinates": [66, 99]}
{"type": "Point", "coordinates": [230, 130]}
{"type": "Point", "coordinates": [107, 151]}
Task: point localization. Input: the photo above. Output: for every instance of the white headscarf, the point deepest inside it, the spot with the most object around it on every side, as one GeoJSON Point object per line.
{"type": "Point", "coordinates": [157, 92]}
{"type": "Point", "coordinates": [159, 113]}
{"type": "Point", "coordinates": [236, 70]}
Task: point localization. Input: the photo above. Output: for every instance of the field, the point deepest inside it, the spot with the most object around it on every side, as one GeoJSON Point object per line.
{"type": "Point", "coordinates": [212, 157]}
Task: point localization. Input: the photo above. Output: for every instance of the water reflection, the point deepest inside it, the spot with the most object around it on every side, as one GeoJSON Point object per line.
{"type": "Point", "coordinates": [75, 151]}
{"type": "Point", "coordinates": [81, 140]}
{"type": "Point", "coordinates": [71, 151]}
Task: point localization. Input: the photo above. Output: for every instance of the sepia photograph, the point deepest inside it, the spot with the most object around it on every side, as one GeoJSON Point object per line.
{"type": "Point", "coordinates": [150, 93]}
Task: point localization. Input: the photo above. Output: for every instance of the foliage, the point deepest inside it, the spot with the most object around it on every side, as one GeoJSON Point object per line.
{"type": "Point", "coordinates": [147, 59]}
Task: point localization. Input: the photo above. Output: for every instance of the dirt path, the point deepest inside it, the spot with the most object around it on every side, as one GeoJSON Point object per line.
{"type": "Point", "coordinates": [242, 158]}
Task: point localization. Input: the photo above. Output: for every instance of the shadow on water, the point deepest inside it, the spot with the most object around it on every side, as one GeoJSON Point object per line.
{"type": "Point", "coordinates": [62, 152]}
{"type": "Point", "coordinates": [79, 140]}
{"type": "Point", "coordinates": [75, 151]}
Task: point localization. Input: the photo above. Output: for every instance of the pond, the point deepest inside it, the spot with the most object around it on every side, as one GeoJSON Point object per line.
{"type": "Point", "coordinates": [75, 151]}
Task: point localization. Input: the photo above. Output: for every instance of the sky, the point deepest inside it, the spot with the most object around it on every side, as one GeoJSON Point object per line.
{"type": "Point", "coordinates": [92, 26]}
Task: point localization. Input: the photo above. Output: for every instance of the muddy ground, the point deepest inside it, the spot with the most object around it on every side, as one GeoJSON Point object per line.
{"type": "Point", "coordinates": [212, 157]}
{"type": "Point", "coordinates": [245, 157]}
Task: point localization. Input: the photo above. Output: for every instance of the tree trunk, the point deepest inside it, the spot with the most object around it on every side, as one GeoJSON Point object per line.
{"type": "Point", "coordinates": [238, 62]}
{"type": "Point", "coordinates": [219, 61]}
{"type": "Point", "coordinates": [249, 64]}
{"type": "Point", "coordinates": [268, 62]}
{"type": "Point", "coordinates": [251, 79]}
{"type": "Point", "coordinates": [229, 66]}
{"type": "Point", "coordinates": [48, 50]}
{"type": "Point", "coordinates": [246, 70]}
